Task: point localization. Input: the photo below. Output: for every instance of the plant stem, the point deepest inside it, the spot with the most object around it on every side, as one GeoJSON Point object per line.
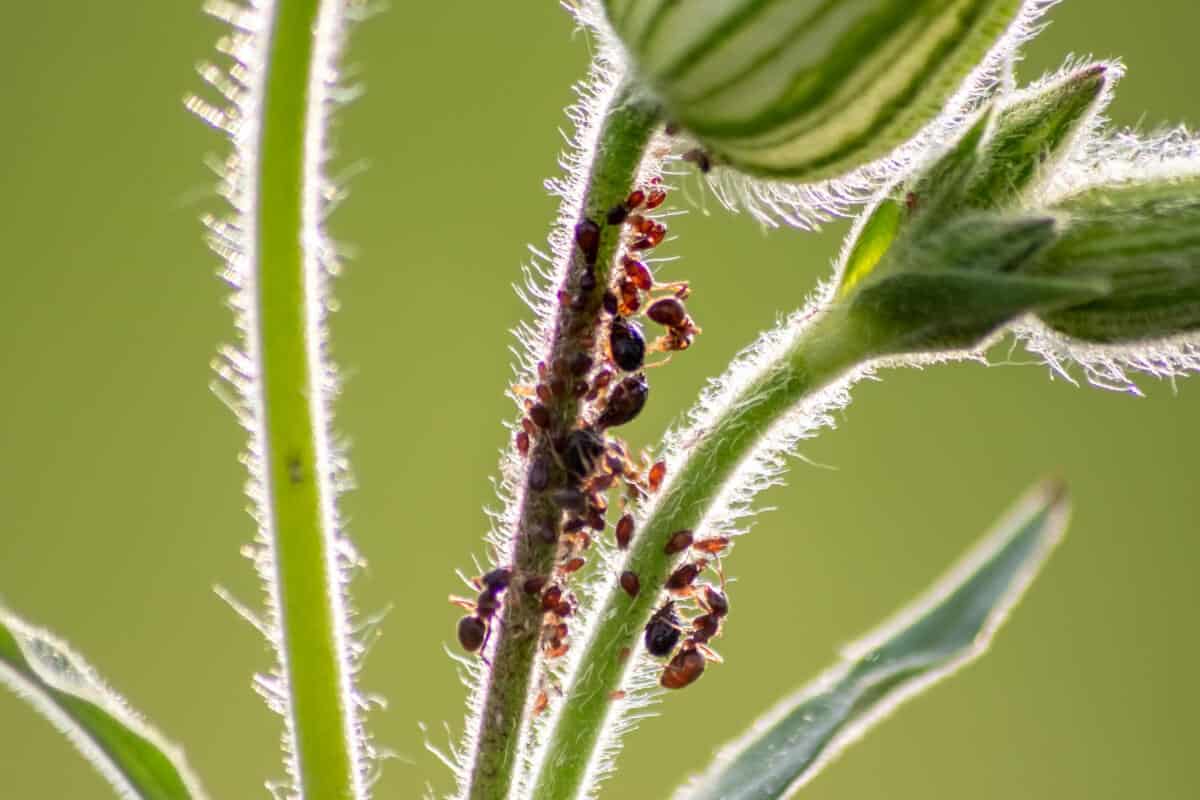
{"type": "Point", "coordinates": [625, 132]}
{"type": "Point", "coordinates": [286, 343]}
{"type": "Point", "coordinates": [824, 351]}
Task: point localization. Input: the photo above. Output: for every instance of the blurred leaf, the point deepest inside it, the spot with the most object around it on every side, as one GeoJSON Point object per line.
{"type": "Point", "coordinates": [61, 686]}
{"type": "Point", "coordinates": [950, 627]}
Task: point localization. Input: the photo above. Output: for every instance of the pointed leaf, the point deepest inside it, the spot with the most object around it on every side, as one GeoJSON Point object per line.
{"type": "Point", "coordinates": [61, 686]}
{"type": "Point", "coordinates": [952, 626]}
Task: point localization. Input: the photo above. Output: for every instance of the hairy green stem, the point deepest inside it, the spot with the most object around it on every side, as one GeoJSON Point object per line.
{"type": "Point", "coordinates": [625, 132]}
{"type": "Point", "coordinates": [297, 475]}
{"type": "Point", "coordinates": [826, 350]}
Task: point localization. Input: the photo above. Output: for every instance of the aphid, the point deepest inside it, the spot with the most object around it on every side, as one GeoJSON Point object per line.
{"type": "Point", "coordinates": [540, 704]}
{"type": "Point", "coordinates": [522, 441]}
{"type": "Point", "coordinates": [534, 584]}
{"type": "Point", "coordinates": [678, 542]}
{"type": "Point", "coordinates": [539, 474]}
{"type": "Point", "coordinates": [638, 273]}
{"type": "Point", "coordinates": [617, 214]}
{"type": "Point", "coordinates": [618, 694]}
{"type": "Point", "coordinates": [700, 158]}
{"type": "Point", "coordinates": [471, 633]}
{"type": "Point", "coordinates": [540, 416]}
{"type": "Point", "coordinates": [624, 531]}
{"type": "Point", "coordinates": [625, 402]}
{"type": "Point", "coordinates": [712, 546]}
{"type": "Point", "coordinates": [630, 583]}
{"type": "Point", "coordinates": [610, 304]}
{"type": "Point", "coordinates": [667, 311]}
{"type": "Point", "coordinates": [543, 391]}
{"type": "Point", "coordinates": [574, 525]}
{"type": "Point", "coordinates": [528, 426]}
{"type": "Point", "coordinates": [581, 451]}
{"type": "Point", "coordinates": [630, 300]}
{"type": "Point", "coordinates": [627, 344]}
{"type": "Point", "coordinates": [581, 364]}
{"type": "Point", "coordinates": [655, 199]}
{"type": "Point", "coordinates": [587, 236]}
{"type": "Point", "coordinates": [662, 631]}
{"type": "Point", "coordinates": [551, 598]}
{"type": "Point", "coordinates": [681, 580]}
{"type": "Point", "coordinates": [570, 499]}
{"type": "Point", "coordinates": [685, 668]}
{"type": "Point", "coordinates": [574, 565]}
{"type": "Point", "coordinates": [635, 199]}
{"type": "Point", "coordinates": [657, 473]}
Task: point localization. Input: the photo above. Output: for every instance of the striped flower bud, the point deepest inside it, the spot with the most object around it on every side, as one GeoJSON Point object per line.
{"type": "Point", "coordinates": [809, 89]}
{"type": "Point", "coordinates": [1144, 238]}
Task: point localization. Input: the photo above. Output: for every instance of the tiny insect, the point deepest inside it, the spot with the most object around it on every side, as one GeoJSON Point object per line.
{"type": "Point", "coordinates": [678, 542]}
{"type": "Point", "coordinates": [625, 402]}
{"type": "Point", "coordinates": [657, 473]}
{"type": "Point", "coordinates": [627, 344]}
{"type": "Point", "coordinates": [662, 631]}
{"type": "Point", "coordinates": [684, 669]}
{"type": "Point", "coordinates": [587, 236]}
{"type": "Point", "coordinates": [630, 583]}
{"type": "Point", "coordinates": [624, 531]}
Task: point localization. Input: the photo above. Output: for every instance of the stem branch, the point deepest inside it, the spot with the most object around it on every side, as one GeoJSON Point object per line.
{"type": "Point", "coordinates": [625, 132]}
{"type": "Point", "coordinates": [824, 351]}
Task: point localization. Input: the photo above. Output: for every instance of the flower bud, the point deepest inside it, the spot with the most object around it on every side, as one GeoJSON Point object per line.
{"type": "Point", "coordinates": [805, 89]}
{"type": "Point", "coordinates": [1145, 240]}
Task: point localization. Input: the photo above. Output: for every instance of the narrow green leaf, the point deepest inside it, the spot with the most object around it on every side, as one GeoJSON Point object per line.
{"type": "Point", "coordinates": [950, 627]}
{"type": "Point", "coordinates": [61, 686]}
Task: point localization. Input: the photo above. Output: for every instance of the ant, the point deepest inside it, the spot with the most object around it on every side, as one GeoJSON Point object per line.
{"type": "Point", "coordinates": [475, 629]}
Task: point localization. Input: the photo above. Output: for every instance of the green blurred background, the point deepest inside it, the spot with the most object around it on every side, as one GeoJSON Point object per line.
{"type": "Point", "coordinates": [121, 492]}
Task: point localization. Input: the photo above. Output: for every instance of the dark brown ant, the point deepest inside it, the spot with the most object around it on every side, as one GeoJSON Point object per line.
{"type": "Point", "coordinates": [475, 628]}
{"type": "Point", "coordinates": [625, 402]}
{"type": "Point", "coordinates": [627, 344]}
{"type": "Point", "coordinates": [685, 668]}
{"type": "Point", "coordinates": [662, 631]}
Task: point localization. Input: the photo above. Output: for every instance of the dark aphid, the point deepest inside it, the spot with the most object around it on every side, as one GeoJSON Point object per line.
{"type": "Point", "coordinates": [581, 452]}
{"type": "Point", "coordinates": [540, 416]}
{"type": "Point", "coordinates": [574, 565]}
{"type": "Point", "coordinates": [570, 499]}
{"type": "Point", "coordinates": [657, 473]}
{"type": "Point", "coordinates": [574, 525]}
{"type": "Point", "coordinates": [678, 542]}
{"type": "Point", "coordinates": [635, 199]}
{"type": "Point", "coordinates": [564, 609]}
{"type": "Point", "coordinates": [596, 520]}
{"type": "Point", "coordinates": [638, 273]}
{"type": "Point", "coordinates": [551, 598]}
{"type": "Point", "coordinates": [627, 344]}
{"type": "Point", "coordinates": [685, 668]}
{"type": "Point", "coordinates": [700, 158]}
{"type": "Point", "coordinates": [528, 426]}
{"type": "Point", "coordinates": [534, 584]}
{"type": "Point", "coordinates": [630, 583]}
{"type": "Point", "coordinates": [625, 402]}
{"type": "Point", "coordinates": [624, 531]}
{"type": "Point", "coordinates": [522, 441]}
{"type": "Point", "coordinates": [662, 631]}
{"type": "Point", "coordinates": [587, 281]}
{"type": "Point", "coordinates": [587, 236]}
{"type": "Point", "coordinates": [471, 633]}
{"type": "Point", "coordinates": [611, 304]}
{"type": "Point", "coordinates": [617, 214]}
{"type": "Point", "coordinates": [539, 474]}
{"type": "Point", "coordinates": [667, 311]}
{"type": "Point", "coordinates": [681, 580]}
{"type": "Point", "coordinates": [543, 391]}
{"type": "Point", "coordinates": [581, 364]}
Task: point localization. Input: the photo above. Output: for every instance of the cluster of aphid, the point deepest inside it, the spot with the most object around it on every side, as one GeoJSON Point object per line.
{"type": "Point", "coordinates": [612, 385]}
{"type": "Point", "coordinates": [664, 631]}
